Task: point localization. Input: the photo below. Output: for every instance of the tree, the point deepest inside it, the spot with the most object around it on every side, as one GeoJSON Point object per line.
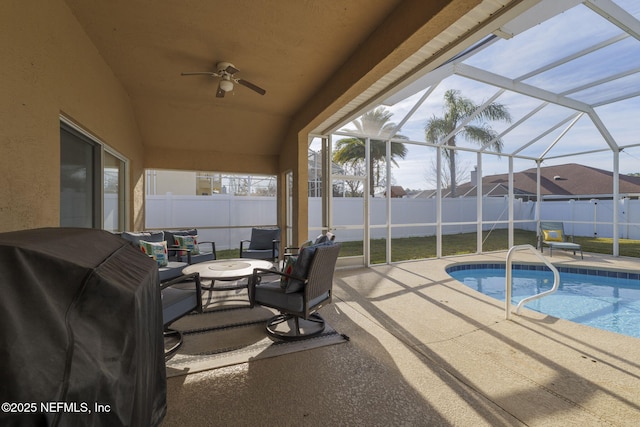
{"type": "Point", "coordinates": [351, 151]}
{"type": "Point", "coordinates": [458, 109]}
{"type": "Point", "coordinates": [462, 173]}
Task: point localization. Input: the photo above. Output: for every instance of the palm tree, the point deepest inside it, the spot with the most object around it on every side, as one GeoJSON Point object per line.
{"type": "Point", "coordinates": [376, 124]}
{"type": "Point", "coordinates": [457, 109]}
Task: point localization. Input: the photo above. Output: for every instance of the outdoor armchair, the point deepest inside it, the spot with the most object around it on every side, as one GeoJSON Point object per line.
{"type": "Point", "coordinates": [299, 295]}
{"type": "Point", "coordinates": [264, 244]}
{"type": "Point", "coordinates": [180, 296]}
{"type": "Point", "coordinates": [191, 248]}
{"type": "Point", "coordinates": [154, 245]}
{"type": "Point", "coordinates": [552, 235]}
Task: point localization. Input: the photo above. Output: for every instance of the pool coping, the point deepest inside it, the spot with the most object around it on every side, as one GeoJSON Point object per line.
{"type": "Point", "coordinates": [601, 272]}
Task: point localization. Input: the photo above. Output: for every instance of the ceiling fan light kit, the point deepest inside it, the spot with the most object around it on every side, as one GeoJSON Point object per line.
{"type": "Point", "coordinates": [226, 85]}
{"type": "Point", "coordinates": [225, 71]}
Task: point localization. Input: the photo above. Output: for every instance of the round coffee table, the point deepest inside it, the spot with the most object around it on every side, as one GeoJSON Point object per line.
{"type": "Point", "coordinates": [227, 270]}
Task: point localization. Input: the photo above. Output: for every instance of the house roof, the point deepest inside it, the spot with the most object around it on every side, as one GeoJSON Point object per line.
{"type": "Point", "coordinates": [570, 179]}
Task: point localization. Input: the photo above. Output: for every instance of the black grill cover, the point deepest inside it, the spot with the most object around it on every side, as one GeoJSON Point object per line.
{"type": "Point", "coordinates": [80, 326]}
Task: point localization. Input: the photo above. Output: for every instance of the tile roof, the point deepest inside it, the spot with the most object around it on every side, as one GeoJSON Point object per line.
{"type": "Point", "coordinates": [570, 179]}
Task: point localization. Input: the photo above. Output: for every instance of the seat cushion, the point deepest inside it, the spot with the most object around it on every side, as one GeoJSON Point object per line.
{"type": "Point", "coordinates": [202, 257]}
{"type": "Point", "coordinates": [564, 245]}
{"type": "Point", "coordinates": [172, 270]}
{"type": "Point", "coordinates": [177, 302]}
{"type": "Point", "coordinates": [272, 295]}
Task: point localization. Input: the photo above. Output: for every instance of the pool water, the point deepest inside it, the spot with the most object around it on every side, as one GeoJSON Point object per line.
{"type": "Point", "coordinates": [603, 300]}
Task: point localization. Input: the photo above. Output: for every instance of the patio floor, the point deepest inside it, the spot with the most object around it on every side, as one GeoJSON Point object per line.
{"type": "Point", "coordinates": [426, 350]}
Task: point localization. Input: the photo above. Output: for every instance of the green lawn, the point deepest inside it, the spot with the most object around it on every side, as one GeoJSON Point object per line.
{"type": "Point", "coordinates": [409, 248]}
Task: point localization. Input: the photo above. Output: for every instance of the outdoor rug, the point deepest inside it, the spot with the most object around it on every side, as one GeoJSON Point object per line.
{"type": "Point", "coordinates": [229, 333]}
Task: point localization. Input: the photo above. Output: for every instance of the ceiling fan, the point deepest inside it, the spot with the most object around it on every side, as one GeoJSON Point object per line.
{"type": "Point", "coordinates": [226, 71]}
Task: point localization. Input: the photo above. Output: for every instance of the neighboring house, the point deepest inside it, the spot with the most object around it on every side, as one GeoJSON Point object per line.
{"type": "Point", "coordinates": [562, 182]}
{"type": "Point", "coordinates": [397, 192]}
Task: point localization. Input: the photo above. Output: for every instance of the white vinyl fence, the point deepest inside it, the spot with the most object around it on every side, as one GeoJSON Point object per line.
{"type": "Point", "coordinates": [227, 219]}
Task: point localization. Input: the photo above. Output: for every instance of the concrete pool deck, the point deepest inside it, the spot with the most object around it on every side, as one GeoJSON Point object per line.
{"type": "Point", "coordinates": [426, 350]}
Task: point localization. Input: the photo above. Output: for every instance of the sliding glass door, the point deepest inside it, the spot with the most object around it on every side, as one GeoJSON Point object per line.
{"type": "Point", "coordinates": [92, 182]}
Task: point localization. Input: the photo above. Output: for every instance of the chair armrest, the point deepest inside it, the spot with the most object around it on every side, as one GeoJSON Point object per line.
{"type": "Point", "coordinates": [242, 242]}
{"type": "Point", "coordinates": [213, 248]}
{"type": "Point", "coordinates": [184, 278]}
{"type": "Point", "coordinates": [178, 250]}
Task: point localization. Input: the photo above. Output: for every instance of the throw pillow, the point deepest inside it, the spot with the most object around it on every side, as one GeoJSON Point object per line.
{"type": "Point", "coordinates": [156, 250]}
{"type": "Point", "coordinates": [301, 267]}
{"type": "Point", "coordinates": [552, 235]}
{"type": "Point", "coordinates": [289, 264]}
{"type": "Point", "coordinates": [187, 242]}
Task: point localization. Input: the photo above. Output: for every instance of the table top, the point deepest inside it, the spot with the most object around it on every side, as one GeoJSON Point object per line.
{"type": "Point", "coordinates": [227, 269]}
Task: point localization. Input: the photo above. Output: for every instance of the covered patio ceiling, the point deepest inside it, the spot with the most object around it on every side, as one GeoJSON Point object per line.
{"type": "Point", "coordinates": [568, 71]}
{"type": "Point", "coordinates": [290, 48]}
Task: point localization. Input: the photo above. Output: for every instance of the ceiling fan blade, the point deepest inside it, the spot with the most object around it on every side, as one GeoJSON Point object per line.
{"type": "Point", "coordinates": [251, 86]}
{"type": "Point", "coordinates": [220, 93]}
{"type": "Point", "coordinates": [231, 69]}
{"type": "Point", "coordinates": [206, 73]}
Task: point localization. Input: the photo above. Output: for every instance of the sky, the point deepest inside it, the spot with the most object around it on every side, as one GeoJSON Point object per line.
{"type": "Point", "coordinates": [538, 46]}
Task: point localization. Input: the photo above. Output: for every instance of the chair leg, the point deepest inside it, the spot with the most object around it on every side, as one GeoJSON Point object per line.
{"type": "Point", "coordinates": [290, 328]}
{"type": "Point", "coordinates": [171, 351]}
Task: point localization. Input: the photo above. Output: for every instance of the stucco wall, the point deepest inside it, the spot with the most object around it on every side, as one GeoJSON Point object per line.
{"type": "Point", "coordinates": [50, 68]}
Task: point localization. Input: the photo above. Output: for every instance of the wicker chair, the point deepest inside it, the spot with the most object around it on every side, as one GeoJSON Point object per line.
{"type": "Point", "coordinates": [297, 296]}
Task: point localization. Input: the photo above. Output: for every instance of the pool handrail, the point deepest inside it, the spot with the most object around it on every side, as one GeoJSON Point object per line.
{"type": "Point", "coordinates": [556, 279]}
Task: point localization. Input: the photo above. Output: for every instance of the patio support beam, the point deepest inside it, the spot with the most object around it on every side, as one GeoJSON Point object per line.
{"type": "Point", "coordinates": [367, 202]}
{"type": "Point", "coordinates": [439, 203]}
{"type": "Point", "coordinates": [515, 125]}
{"type": "Point", "coordinates": [417, 105]}
{"type": "Point", "coordinates": [603, 130]}
{"type": "Point", "coordinates": [616, 15]}
{"type": "Point", "coordinates": [545, 133]}
{"type": "Point", "coordinates": [616, 202]}
{"type": "Point", "coordinates": [493, 79]}
{"type": "Point", "coordinates": [388, 201]}
{"type": "Point", "coordinates": [479, 200]}
{"type": "Point", "coordinates": [327, 202]}
{"type": "Point", "coordinates": [510, 200]}
{"type": "Point", "coordinates": [538, 199]}
{"type": "Point", "coordinates": [562, 134]}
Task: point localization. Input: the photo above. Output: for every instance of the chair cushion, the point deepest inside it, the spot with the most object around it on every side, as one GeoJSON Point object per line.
{"type": "Point", "coordinates": [289, 263]}
{"type": "Point", "coordinates": [262, 238]}
{"type": "Point", "coordinates": [552, 235]}
{"type": "Point", "coordinates": [301, 267]}
{"type": "Point", "coordinates": [271, 294]}
{"type": "Point", "coordinates": [187, 242]}
{"type": "Point", "coordinates": [177, 302]}
{"type": "Point", "coordinates": [172, 270]}
{"type": "Point", "coordinates": [134, 238]}
{"type": "Point", "coordinates": [320, 239]}
{"type": "Point", "coordinates": [266, 254]}
{"type": "Point", "coordinates": [156, 250]}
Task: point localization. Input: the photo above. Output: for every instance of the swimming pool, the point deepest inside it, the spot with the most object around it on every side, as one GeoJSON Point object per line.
{"type": "Point", "coordinates": [603, 299]}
